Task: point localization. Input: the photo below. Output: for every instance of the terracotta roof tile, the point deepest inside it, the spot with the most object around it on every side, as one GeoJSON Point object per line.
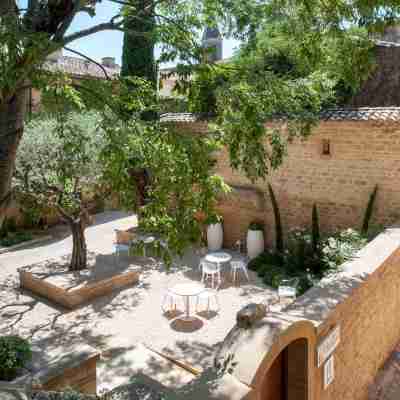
{"type": "Point", "coordinates": [340, 114]}
{"type": "Point", "coordinates": [79, 67]}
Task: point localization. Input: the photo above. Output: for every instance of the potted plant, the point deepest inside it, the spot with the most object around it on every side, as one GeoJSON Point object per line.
{"type": "Point", "coordinates": [255, 239]}
{"type": "Point", "coordinates": [215, 234]}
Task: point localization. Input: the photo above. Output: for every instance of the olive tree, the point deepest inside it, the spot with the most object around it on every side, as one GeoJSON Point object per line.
{"type": "Point", "coordinates": [57, 164]}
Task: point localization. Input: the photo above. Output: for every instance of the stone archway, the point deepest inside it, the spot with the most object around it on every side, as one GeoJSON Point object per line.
{"type": "Point", "coordinates": [286, 371]}
{"type": "Point", "coordinates": [287, 378]}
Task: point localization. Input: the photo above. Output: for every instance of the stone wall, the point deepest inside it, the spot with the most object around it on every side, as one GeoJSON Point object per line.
{"type": "Point", "coordinates": [362, 301]}
{"type": "Point", "coordinates": [363, 154]}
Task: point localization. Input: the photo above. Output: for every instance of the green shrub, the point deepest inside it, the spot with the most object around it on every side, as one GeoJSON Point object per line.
{"type": "Point", "coordinates": [316, 236]}
{"type": "Point", "coordinates": [15, 238]}
{"type": "Point", "coordinates": [369, 210]}
{"type": "Point", "coordinates": [300, 261]}
{"type": "Point", "coordinates": [256, 226]}
{"type": "Point", "coordinates": [278, 221]}
{"type": "Point", "coordinates": [9, 226]}
{"type": "Point", "coordinates": [15, 352]}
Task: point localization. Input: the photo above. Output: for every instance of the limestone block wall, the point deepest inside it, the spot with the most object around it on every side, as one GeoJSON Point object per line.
{"type": "Point", "coordinates": [363, 154]}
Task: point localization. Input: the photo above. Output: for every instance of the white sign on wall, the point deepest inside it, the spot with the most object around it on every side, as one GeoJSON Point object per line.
{"type": "Point", "coordinates": [329, 371]}
{"type": "Point", "coordinates": [328, 345]}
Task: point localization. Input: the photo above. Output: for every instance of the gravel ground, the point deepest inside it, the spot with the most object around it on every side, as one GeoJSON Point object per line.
{"type": "Point", "coordinates": [116, 324]}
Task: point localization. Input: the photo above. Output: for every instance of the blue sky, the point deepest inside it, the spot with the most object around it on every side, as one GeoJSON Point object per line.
{"type": "Point", "coordinates": [109, 43]}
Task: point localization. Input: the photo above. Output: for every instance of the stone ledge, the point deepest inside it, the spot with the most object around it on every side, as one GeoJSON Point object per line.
{"type": "Point", "coordinates": [70, 298]}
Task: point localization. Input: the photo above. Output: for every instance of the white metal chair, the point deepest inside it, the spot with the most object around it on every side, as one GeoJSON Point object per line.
{"type": "Point", "coordinates": [287, 289]}
{"type": "Point", "coordinates": [170, 299]}
{"type": "Point", "coordinates": [210, 270]}
{"type": "Point", "coordinates": [118, 249]}
{"type": "Point", "coordinates": [208, 296]}
{"type": "Point", "coordinates": [237, 266]}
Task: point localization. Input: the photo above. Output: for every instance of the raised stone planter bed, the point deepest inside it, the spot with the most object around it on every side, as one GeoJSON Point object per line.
{"type": "Point", "coordinates": [72, 289]}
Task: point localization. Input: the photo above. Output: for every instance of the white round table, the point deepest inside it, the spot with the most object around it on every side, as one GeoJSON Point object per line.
{"type": "Point", "coordinates": [187, 290]}
{"type": "Point", "coordinates": [218, 258]}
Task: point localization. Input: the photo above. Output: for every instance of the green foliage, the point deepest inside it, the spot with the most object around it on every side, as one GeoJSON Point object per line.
{"type": "Point", "coordinates": [15, 238]}
{"type": "Point", "coordinates": [139, 42]}
{"type": "Point", "coordinates": [300, 261]}
{"type": "Point", "coordinates": [256, 226]}
{"type": "Point", "coordinates": [58, 160]}
{"type": "Point", "coordinates": [15, 352]}
{"type": "Point", "coordinates": [9, 226]}
{"type": "Point", "coordinates": [181, 180]}
{"type": "Point", "coordinates": [278, 221]}
{"type": "Point", "coordinates": [202, 88]}
{"type": "Point", "coordinates": [316, 236]}
{"type": "Point", "coordinates": [369, 210]}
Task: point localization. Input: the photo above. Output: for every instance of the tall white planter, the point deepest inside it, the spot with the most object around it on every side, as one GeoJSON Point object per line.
{"type": "Point", "coordinates": [255, 243]}
{"type": "Point", "coordinates": [215, 237]}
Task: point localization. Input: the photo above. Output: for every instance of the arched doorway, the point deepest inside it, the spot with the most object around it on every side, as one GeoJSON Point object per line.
{"type": "Point", "coordinates": [287, 378]}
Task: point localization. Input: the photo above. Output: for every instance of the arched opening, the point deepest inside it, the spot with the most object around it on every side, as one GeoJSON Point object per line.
{"type": "Point", "coordinates": [287, 378]}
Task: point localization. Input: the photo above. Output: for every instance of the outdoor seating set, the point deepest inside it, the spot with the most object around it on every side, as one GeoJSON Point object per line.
{"type": "Point", "coordinates": [210, 267]}
{"type": "Point", "coordinates": [204, 292]}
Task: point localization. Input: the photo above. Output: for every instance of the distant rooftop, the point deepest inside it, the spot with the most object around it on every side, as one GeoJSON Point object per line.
{"type": "Point", "coordinates": [388, 114]}
{"type": "Point", "coordinates": [79, 67]}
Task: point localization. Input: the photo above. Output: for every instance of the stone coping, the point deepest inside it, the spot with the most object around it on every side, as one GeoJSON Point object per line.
{"type": "Point", "coordinates": [72, 289]}
{"type": "Point", "coordinates": [309, 312]}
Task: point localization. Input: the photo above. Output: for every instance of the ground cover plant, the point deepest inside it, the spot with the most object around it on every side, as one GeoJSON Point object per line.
{"type": "Point", "coordinates": [15, 352]}
{"type": "Point", "coordinates": [307, 254]}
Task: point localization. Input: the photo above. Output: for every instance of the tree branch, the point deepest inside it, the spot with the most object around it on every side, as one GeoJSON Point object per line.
{"type": "Point", "coordinates": [89, 59]}
{"type": "Point", "coordinates": [106, 26]}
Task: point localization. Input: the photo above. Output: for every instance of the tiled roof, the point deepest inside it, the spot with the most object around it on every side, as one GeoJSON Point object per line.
{"type": "Point", "coordinates": [79, 67]}
{"type": "Point", "coordinates": [340, 114]}
{"type": "Point", "coordinates": [362, 114]}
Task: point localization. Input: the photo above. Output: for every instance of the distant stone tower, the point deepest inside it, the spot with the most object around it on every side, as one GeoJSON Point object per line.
{"type": "Point", "coordinates": [212, 39]}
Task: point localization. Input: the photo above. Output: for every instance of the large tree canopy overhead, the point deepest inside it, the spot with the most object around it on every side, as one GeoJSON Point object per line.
{"type": "Point", "coordinates": [297, 57]}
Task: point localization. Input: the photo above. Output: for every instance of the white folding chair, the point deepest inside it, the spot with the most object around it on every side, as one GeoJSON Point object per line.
{"type": "Point", "coordinates": [118, 249]}
{"type": "Point", "coordinates": [210, 270]}
{"type": "Point", "coordinates": [237, 266]}
{"type": "Point", "coordinates": [208, 296]}
{"type": "Point", "coordinates": [170, 299]}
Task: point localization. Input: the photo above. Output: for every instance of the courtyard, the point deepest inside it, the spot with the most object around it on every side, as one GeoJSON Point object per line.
{"type": "Point", "coordinates": [125, 324]}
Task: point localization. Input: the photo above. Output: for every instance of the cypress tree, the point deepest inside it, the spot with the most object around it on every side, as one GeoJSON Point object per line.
{"type": "Point", "coordinates": [139, 42]}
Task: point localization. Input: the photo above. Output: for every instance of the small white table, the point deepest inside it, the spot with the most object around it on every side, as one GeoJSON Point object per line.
{"type": "Point", "coordinates": [218, 258]}
{"type": "Point", "coordinates": [187, 290]}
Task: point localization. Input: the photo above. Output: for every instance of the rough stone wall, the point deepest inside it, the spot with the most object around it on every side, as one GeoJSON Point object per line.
{"type": "Point", "coordinates": [363, 154]}
{"type": "Point", "coordinates": [370, 331]}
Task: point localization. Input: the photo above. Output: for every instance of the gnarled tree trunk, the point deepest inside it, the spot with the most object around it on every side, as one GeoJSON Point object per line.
{"type": "Point", "coordinates": [12, 114]}
{"type": "Point", "coordinates": [79, 250]}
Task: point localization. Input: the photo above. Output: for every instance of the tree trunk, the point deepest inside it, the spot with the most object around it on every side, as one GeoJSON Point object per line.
{"type": "Point", "coordinates": [79, 251]}
{"type": "Point", "coordinates": [12, 114]}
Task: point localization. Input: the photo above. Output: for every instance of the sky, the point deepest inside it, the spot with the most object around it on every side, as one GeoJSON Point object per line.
{"type": "Point", "coordinates": [109, 43]}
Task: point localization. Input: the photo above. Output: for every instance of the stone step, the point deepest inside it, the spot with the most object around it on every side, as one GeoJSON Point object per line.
{"type": "Point", "coordinates": [119, 365]}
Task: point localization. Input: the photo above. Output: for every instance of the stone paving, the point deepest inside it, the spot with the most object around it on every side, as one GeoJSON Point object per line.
{"type": "Point", "coordinates": [117, 324]}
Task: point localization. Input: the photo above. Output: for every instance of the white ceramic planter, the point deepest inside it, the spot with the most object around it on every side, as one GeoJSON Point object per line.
{"type": "Point", "coordinates": [215, 237]}
{"type": "Point", "coordinates": [255, 243]}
